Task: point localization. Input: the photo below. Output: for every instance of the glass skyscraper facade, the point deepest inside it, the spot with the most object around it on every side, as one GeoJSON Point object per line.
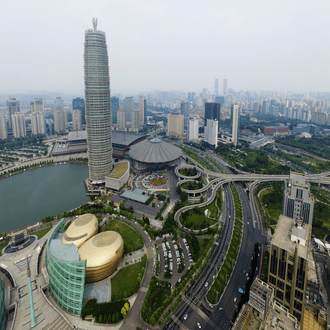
{"type": "Point", "coordinates": [98, 106]}
{"type": "Point", "coordinates": [79, 104]}
{"type": "Point", "coordinates": [114, 108]}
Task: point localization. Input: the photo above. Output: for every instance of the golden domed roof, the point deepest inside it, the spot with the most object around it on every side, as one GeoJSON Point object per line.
{"type": "Point", "coordinates": [80, 230]}
{"type": "Point", "coordinates": [101, 249]}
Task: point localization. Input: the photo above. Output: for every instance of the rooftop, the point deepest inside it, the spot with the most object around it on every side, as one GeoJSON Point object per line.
{"type": "Point", "coordinates": [119, 170]}
{"type": "Point", "coordinates": [135, 195]}
{"type": "Point", "coordinates": [282, 237]}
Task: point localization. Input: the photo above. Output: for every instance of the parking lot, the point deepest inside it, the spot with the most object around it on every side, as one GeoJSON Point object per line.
{"type": "Point", "coordinates": [174, 256]}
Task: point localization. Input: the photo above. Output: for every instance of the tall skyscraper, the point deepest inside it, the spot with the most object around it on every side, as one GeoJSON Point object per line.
{"type": "Point", "coordinates": [290, 255]}
{"type": "Point", "coordinates": [135, 123]}
{"type": "Point", "coordinates": [58, 104]}
{"type": "Point", "coordinates": [121, 120]}
{"type": "Point", "coordinates": [3, 127]}
{"type": "Point", "coordinates": [19, 124]}
{"type": "Point", "coordinates": [234, 123]}
{"type": "Point", "coordinates": [37, 106]}
{"type": "Point", "coordinates": [193, 128]}
{"type": "Point", "coordinates": [76, 120]}
{"type": "Point", "coordinates": [298, 203]}
{"type": "Point", "coordinates": [184, 112]}
{"type": "Point", "coordinates": [79, 104]}
{"type": "Point", "coordinates": [211, 133]}
{"type": "Point", "coordinates": [175, 125]}
{"type": "Point", "coordinates": [13, 106]}
{"type": "Point", "coordinates": [216, 87]}
{"type": "Point", "coordinates": [128, 107]}
{"type": "Point", "coordinates": [221, 100]}
{"type": "Point", "coordinates": [38, 123]}
{"type": "Point", "coordinates": [98, 111]}
{"type": "Point", "coordinates": [60, 120]}
{"type": "Point", "coordinates": [212, 111]}
{"type": "Point", "coordinates": [224, 87]}
{"type": "Point", "coordinates": [143, 110]}
{"type": "Point", "coordinates": [114, 108]}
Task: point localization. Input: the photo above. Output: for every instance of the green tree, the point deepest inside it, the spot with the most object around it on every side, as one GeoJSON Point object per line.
{"type": "Point", "coordinates": [100, 318]}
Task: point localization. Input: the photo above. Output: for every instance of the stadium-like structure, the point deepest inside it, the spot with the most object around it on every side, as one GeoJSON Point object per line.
{"type": "Point", "coordinates": [154, 154]}
{"type": "Point", "coordinates": [79, 255]}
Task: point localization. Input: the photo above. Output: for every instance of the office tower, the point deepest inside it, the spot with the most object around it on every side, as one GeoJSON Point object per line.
{"type": "Point", "coordinates": [58, 104]}
{"type": "Point", "coordinates": [37, 106]}
{"type": "Point", "coordinates": [79, 104]}
{"type": "Point", "coordinates": [212, 111]}
{"type": "Point", "coordinates": [221, 100]}
{"type": "Point", "coordinates": [143, 111]}
{"type": "Point", "coordinates": [290, 255]}
{"type": "Point", "coordinates": [97, 98]}
{"type": "Point", "coordinates": [224, 87]}
{"type": "Point", "coordinates": [175, 123]}
{"type": "Point", "coordinates": [76, 120]}
{"type": "Point", "coordinates": [49, 127]}
{"type": "Point", "coordinates": [121, 120]}
{"type": "Point", "coordinates": [265, 107]}
{"type": "Point", "coordinates": [19, 124]}
{"type": "Point", "coordinates": [59, 121]}
{"type": "Point", "coordinates": [128, 107]}
{"type": "Point", "coordinates": [135, 123]}
{"type": "Point", "coordinates": [193, 128]}
{"type": "Point", "coordinates": [184, 112]}
{"type": "Point", "coordinates": [38, 123]}
{"type": "Point", "coordinates": [211, 133]}
{"type": "Point", "coordinates": [13, 106]}
{"type": "Point", "coordinates": [3, 127]}
{"type": "Point", "coordinates": [234, 123]}
{"type": "Point", "coordinates": [114, 108]}
{"type": "Point", "coordinates": [298, 203]}
{"type": "Point", "coordinates": [216, 87]}
{"type": "Point", "coordinates": [191, 97]}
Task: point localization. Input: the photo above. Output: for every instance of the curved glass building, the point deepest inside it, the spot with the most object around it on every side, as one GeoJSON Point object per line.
{"type": "Point", "coordinates": [97, 102]}
{"type": "Point", "coordinates": [66, 272]}
{"type": "Point", "coordinates": [3, 313]}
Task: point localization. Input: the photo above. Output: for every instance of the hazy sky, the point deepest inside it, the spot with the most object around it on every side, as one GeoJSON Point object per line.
{"type": "Point", "coordinates": [168, 45]}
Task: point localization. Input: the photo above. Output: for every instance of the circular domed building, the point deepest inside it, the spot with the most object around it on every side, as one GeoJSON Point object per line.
{"type": "Point", "coordinates": [154, 154]}
{"type": "Point", "coordinates": [80, 230]}
{"type": "Point", "coordinates": [102, 253]}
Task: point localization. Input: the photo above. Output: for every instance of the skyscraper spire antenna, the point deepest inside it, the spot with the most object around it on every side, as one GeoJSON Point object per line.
{"type": "Point", "coordinates": [94, 23]}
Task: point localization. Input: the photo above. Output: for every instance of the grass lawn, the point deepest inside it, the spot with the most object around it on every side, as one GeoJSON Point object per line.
{"type": "Point", "coordinates": [195, 221]}
{"type": "Point", "coordinates": [202, 243]}
{"type": "Point", "coordinates": [126, 281]}
{"type": "Point", "coordinates": [158, 182]}
{"type": "Point", "coordinates": [273, 209]}
{"type": "Point", "coordinates": [42, 232]}
{"type": "Point", "coordinates": [191, 185]}
{"type": "Point", "coordinates": [157, 298]}
{"type": "Point", "coordinates": [132, 239]}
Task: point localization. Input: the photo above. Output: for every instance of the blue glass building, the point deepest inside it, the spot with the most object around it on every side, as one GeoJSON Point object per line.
{"type": "Point", "coordinates": [114, 108]}
{"type": "Point", "coordinates": [79, 104]}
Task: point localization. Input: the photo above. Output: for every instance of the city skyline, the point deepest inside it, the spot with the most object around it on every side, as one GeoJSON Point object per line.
{"type": "Point", "coordinates": [259, 47]}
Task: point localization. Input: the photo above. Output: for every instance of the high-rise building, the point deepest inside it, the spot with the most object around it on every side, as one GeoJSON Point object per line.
{"type": "Point", "coordinates": [76, 120]}
{"type": "Point", "coordinates": [128, 107]}
{"type": "Point", "coordinates": [37, 106]}
{"type": "Point", "coordinates": [216, 87]}
{"type": "Point", "coordinates": [175, 123]}
{"type": "Point", "coordinates": [234, 123]}
{"type": "Point", "coordinates": [60, 120]}
{"type": "Point", "coordinates": [58, 104]}
{"type": "Point", "coordinates": [191, 97]}
{"type": "Point", "coordinates": [121, 120]}
{"type": "Point", "coordinates": [224, 87]}
{"type": "Point", "coordinates": [19, 124]}
{"type": "Point", "coordinates": [184, 112]}
{"type": "Point", "coordinates": [143, 111]}
{"type": "Point", "coordinates": [38, 123]}
{"type": "Point", "coordinates": [13, 106]}
{"type": "Point", "coordinates": [135, 123]}
{"type": "Point", "coordinates": [290, 255]}
{"type": "Point", "coordinates": [3, 127]}
{"type": "Point", "coordinates": [193, 128]}
{"type": "Point", "coordinates": [211, 133]}
{"type": "Point", "coordinates": [298, 203]}
{"type": "Point", "coordinates": [212, 111]}
{"type": "Point", "coordinates": [98, 111]}
{"type": "Point", "coordinates": [114, 108]}
{"type": "Point", "coordinates": [79, 104]}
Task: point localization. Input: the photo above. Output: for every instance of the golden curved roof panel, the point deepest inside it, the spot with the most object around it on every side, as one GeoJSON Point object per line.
{"type": "Point", "coordinates": [101, 249]}
{"type": "Point", "coordinates": [80, 230]}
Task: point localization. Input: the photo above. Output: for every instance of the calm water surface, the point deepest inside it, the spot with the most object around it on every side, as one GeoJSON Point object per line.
{"type": "Point", "coordinates": [27, 197]}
